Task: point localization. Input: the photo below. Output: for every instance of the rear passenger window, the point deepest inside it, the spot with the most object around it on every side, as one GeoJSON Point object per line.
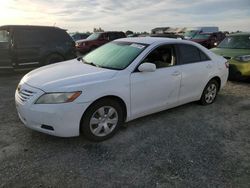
{"type": "Point", "coordinates": [26, 37]}
{"type": "Point", "coordinates": [203, 56]}
{"type": "Point", "coordinates": [191, 54]}
{"type": "Point", "coordinates": [55, 36]}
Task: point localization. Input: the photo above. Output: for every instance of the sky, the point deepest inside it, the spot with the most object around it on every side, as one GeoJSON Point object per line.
{"type": "Point", "coordinates": [135, 15]}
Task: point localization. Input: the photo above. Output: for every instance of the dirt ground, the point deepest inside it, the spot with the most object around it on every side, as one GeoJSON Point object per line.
{"type": "Point", "coordinates": [188, 146]}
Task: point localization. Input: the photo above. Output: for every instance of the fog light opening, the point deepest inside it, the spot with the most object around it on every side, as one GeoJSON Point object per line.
{"type": "Point", "coordinates": [48, 127]}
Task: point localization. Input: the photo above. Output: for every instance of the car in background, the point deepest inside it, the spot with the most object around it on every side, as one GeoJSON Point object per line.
{"type": "Point", "coordinates": [209, 40]}
{"type": "Point", "coordinates": [120, 81]}
{"type": "Point", "coordinates": [191, 32]}
{"type": "Point", "coordinates": [133, 35]}
{"type": "Point", "coordinates": [236, 48]}
{"type": "Point", "coordinates": [97, 39]}
{"type": "Point", "coordinates": [79, 36]}
{"type": "Point", "coordinates": [24, 46]}
{"type": "Point", "coordinates": [167, 35]}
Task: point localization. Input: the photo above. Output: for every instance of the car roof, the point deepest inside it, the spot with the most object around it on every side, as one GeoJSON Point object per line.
{"type": "Point", "coordinates": [240, 34]}
{"type": "Point", "coordinates": [151, 40]}
{"type": "Point", "coordinates": [28, 26]}
{"type": "Point", "coordinates": [110, 32]}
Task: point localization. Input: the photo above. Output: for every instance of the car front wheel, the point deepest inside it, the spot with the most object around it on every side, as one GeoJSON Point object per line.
{"type": "Point", "coordinates": [102, 120]}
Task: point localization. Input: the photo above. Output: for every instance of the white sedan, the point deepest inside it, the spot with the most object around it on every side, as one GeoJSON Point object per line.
{"type": "Point", "coordinates": [118, 82]}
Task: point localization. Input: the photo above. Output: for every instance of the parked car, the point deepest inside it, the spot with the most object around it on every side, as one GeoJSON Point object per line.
{"type": "Point", "coordinates": [33, 46]}
{"type": "Point", "coordinates": [120, 81]}
{"type": "Point", "coordinates": [236, 48]}
{"type": "Point", "coordinates": [167, 35]}
{"type": "Point", "coordinates": [133, 35]}
{"type": "Point", "coordinates": [209, 40]}
{"type": "Point", "coordinates": [97, 39]}
{"type": "Point", "coordinates": [79, 36]}
{"type": "Point", "coordinates": [191, 32]}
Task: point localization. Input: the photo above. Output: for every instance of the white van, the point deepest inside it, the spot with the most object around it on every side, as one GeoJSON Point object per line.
{"type": "Point", "coordinates": [191, 32]}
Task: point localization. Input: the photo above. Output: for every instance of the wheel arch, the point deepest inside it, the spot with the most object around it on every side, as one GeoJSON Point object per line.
{"type": "Point", "coordinates": [112, 97]}
{"type": "Point", "coordinates": [217, 79]}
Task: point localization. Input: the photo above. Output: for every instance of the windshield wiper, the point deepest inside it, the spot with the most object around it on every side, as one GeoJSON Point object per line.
{"type": "Point", "coordinates": [89, 63]}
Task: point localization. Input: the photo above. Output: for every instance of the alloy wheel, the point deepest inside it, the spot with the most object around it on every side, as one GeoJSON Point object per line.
{"type": "Point", "coordinates": [103, 121]}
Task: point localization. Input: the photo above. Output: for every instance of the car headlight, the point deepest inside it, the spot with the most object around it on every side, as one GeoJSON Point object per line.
{"type": "Point", "coordinates": [56, 98]}
{"type": "Point", "coordinates": [243, 58]}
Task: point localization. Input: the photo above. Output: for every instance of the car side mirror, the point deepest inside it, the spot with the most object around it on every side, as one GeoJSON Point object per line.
{"type": "Point", "coordinates": [147, 67]}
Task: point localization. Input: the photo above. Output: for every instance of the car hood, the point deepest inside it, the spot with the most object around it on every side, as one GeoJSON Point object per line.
{"type": "Point", "coordinates": [66, 76]}
{"type": "Point", "coordinates": [230, 53]}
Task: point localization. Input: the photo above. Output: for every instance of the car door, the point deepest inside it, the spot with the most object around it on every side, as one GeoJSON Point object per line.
{"type": "Point", "coordinates": [5, 58]}
{"type": "Point", "coordinates": [155, 91]}
{"type": "Point", "coordinates": [195, 67]}
{"type": "Point", "coordinates": [27, 47]}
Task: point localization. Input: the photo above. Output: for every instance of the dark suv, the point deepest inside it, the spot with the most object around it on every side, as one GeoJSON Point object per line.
{"type": "Point", "coordinates": [34, 46]}
{"type": "Point", "coordinates": [97, 39]}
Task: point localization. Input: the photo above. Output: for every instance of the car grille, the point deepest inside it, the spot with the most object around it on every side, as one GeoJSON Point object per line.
{"type": "Point", "coordinates": [24, 94]}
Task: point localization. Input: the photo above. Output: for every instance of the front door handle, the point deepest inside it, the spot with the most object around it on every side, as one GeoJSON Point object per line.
{"type": "Point", "coordinates": [176, 73]}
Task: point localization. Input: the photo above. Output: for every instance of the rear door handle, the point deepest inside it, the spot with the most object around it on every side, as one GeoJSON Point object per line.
{"type": "Point", "coordinates": [176, 73]}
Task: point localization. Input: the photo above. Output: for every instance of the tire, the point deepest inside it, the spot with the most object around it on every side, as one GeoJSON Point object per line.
{"type": "Point", "coordinates": [102, 120]}
{"type": "Point", "coordinates": [53, 58]}
{"type": "Point", "coordinates": [210, 93]}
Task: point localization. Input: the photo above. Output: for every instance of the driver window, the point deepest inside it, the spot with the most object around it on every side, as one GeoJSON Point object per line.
{"type": "Point", "coordinates": [4, 36]}
{"type": "Point", "coordinates": [163, 56]}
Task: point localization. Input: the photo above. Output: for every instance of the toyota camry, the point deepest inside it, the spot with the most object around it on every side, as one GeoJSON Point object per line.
{"type": "Point", "coordinates": [118, 82]}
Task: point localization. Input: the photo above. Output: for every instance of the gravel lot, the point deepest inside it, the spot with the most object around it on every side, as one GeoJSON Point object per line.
{"type": "Point", "coordinates": [188, 146]}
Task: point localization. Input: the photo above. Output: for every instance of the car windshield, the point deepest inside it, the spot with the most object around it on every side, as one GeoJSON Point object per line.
{"type": "Point", "coordinates": [190, 33]}
{"type": "Point", "coordinates": [201, 36]}
{"type": "Point", "coordinates": [236, 42]}
{"type": "Point", "coordinates": [94, 36]}
{"type": "Point", "coordinates": [4, 36]}
{"type": "Point", "coordinates": [114, 55]}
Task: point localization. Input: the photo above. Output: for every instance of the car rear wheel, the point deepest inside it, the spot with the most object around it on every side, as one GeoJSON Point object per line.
{"type": "Point", "coordinates": [210, 93]}
{"type": "Point", "coordinates": [102, 120]}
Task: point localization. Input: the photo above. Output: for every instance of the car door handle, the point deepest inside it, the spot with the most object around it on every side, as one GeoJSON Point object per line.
{"type": "Point", "coordinates": [176, 73]}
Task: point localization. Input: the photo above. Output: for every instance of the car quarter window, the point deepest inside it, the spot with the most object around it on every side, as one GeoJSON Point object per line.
{"type": "Point", "coordinates": [163, 56]}
{"type": "Point", "coordinates": [191, 54]}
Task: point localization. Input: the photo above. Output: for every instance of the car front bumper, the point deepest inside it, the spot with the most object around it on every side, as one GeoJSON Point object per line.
{"type": "Point", "coordinates": [61, 120]}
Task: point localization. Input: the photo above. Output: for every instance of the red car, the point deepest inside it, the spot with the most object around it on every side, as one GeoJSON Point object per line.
{"type": "Point", "coordinates": [97, 39]}
{"type": "Point", "coordinates": [209, 40]}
